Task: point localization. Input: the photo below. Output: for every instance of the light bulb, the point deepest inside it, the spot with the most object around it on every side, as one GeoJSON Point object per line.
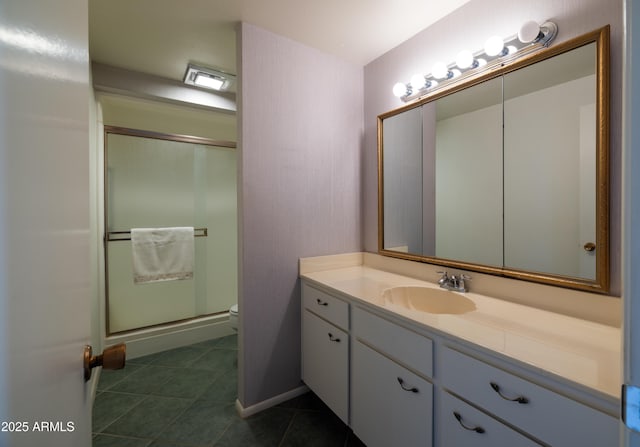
{"type": "Point", "coordinates": [208, 81]}
{"type": "Point", "coordinates": [529, 32]}
{"type": "Point", "coordinates": [440, 70]}
{"type": "Point", "coordinates": [512, 49]}
{"type": "Point", "coordinates": [455, 73]}
{"type": "Point", "coordinates": [493, 46]}
{"type": "Point", "coordinates": [464, 59]}
{"type": "Point", "coordinates": [417, 82]}
{"type": "Point", "coordinates": [399, 90]}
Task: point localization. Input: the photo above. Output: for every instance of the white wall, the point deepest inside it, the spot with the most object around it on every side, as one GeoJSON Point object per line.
{"type": "Point", "coordinates": [300, 114]}
{"type": "Point", "coordinates": [631, 347]}
{"type": "Point", "coordinates": [163, 117]}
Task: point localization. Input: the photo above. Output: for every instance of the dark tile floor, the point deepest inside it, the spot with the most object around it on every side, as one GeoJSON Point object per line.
{"type": "Point", "coordinates": [185, 397]}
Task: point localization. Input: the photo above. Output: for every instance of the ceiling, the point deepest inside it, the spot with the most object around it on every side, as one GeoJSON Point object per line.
{"type": "Point", "coordinates": [160, 37]}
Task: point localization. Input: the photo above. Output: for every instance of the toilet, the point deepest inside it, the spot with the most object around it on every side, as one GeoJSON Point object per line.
{"type": "Point", "coordinates": [233, 317]}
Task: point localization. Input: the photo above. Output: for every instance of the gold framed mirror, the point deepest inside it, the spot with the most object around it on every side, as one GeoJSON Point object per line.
{"type": "Point", "coordinates": [507, 172]}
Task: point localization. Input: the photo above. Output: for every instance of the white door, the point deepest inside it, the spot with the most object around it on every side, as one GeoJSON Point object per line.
{"type": "Point", "coordinates": [44, 223]}
{"type": "Point", "coordinates": [631, 225]}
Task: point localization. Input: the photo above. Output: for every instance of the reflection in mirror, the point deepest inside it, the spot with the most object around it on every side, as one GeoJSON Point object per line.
{"type": "Point", "coordinates": [515, 185]}
{"type": "Point", "coordinates": [468, 173]}
{"type": "Point", "coordinates": [550, 160]}
{"type": "Point", "coordinates": [403, 195]}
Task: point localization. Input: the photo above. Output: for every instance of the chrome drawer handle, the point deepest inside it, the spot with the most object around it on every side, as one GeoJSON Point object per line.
{"type": "Point", "coordinates": [477, 429]}
{"type": "Point", "coordinates": [412, 389]}
{"type": "Point", "coordinates": [332, 338]}
{"type": "Point", "coordinates": [321, 303]}
{"type": "Point", "coordinates": [519, 399]}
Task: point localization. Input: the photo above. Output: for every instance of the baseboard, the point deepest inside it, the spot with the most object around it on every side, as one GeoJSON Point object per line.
{"type": "Point", "coordinates": [150, 341]}
{"type": "Point", "coordinates": [261, 406]}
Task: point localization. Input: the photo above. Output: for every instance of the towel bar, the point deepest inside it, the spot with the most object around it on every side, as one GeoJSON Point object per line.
{"type": "Point", "coordinates": [120, 235]}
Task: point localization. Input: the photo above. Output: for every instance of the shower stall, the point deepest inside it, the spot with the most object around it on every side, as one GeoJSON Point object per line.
{"type": "Point", "coordinates": [155, 180]}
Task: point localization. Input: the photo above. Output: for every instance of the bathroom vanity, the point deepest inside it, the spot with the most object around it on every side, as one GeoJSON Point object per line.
{"type": "Point", "coordinates": [406, 363]}
{"type": "Point", "coordinates": [403, 367]}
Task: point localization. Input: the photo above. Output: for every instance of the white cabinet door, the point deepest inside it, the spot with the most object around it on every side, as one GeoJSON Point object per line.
{"type": "Point", "coordinates": [325, 363]}
{"type": "Point", "coordinates": [390, 406]}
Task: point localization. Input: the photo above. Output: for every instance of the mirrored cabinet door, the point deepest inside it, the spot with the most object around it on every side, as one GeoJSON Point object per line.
{"type": "Point", "coordinates": [550, 161]}
{"type": "Point", "coordinates": [468, 174]}
{"type": "Point", "coordinates": [403, 194]}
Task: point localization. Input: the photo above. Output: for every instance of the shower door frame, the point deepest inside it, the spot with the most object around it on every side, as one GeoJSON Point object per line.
{"type": "Point", "coordinates": [118, 130]}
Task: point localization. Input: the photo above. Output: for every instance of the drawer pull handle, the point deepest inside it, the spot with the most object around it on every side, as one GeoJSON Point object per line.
{"type": "Point", "coordinates": [332, 338]}
{"type": "Point", "coordinates": [519, 399]}
{"type": "Point", "coordinates": [477, 429]}
{"type": "Point", "coordinates": [321, 303]}
{"type": "Point", "coordinates": [412, 389]}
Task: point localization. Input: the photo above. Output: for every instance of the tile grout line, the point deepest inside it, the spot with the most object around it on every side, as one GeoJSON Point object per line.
{"type": "Point", "coordinates": [185, 367]}
{"type": "Point", "coordinates": [284, 435]}
{"type": "Point", "coordinates": [113, 435]}
{"type": "Point", "coordinates": [102, 431]}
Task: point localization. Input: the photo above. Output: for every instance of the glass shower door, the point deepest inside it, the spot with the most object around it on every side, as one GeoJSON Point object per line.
{"type": "Point", "coordinates": [158, 181]}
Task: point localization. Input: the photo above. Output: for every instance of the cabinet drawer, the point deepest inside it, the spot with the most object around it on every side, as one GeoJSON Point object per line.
{"type": "Point", "coordinates": [461, 425]}
{"type": "Point", "coordinates": [403, 345]}
{"type": "Point", "coordinates": [547, 416]}
{"type": "Point", "coordinates": [327, 306]}
{"type": "Point", "coordinates": [325, 363]}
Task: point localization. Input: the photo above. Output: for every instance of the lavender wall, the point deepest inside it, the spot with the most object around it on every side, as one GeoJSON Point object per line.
{"type": "Point", "coordinates": [468, 27]}
{"type": "Point", "coordinates": [300, 138]}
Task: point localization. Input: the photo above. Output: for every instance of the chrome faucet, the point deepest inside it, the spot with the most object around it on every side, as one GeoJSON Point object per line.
{"type": "Point", "coordinates": [455, 283]}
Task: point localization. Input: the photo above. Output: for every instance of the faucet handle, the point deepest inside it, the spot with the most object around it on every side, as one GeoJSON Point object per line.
{"type": "Point", "coordinates": [461, 280]}
{"type": "Point", "coordinates": [444, 278]}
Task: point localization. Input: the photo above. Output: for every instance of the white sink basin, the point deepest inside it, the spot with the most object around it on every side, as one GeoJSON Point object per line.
{"type": "Point", "coordinates": [427, 299]}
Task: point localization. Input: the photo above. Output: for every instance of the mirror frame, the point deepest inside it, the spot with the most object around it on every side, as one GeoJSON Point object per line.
{"type": "Point", "coordinates": [601, 282]}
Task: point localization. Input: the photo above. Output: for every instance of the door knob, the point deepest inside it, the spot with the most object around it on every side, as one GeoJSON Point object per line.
{"type": "Point", "coordinates": [112, 357]}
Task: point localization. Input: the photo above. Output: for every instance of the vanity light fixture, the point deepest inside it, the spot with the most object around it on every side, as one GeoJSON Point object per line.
{"type": "Point", "coordinates": [208, 78]}
{"type": "Point", "coordinates": [441, 71]}
{"type": "Point", "coordinates": [466, 60]}
{"type": "Point", "coordinates": [418, 82]}
{"type": "Point", "coordinates": [401, 90]}
{"type": "Point", "coordinates": [494, 46]}
{"type": "Point", "coordinates": [530, 38]}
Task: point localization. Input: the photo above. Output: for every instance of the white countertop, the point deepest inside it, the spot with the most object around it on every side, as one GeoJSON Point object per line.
{"type": "Point", "coordinates": [580, 351]}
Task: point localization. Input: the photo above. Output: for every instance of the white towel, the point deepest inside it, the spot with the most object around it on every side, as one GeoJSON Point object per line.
{"type": "Point", "coordinates": [162, 254]}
